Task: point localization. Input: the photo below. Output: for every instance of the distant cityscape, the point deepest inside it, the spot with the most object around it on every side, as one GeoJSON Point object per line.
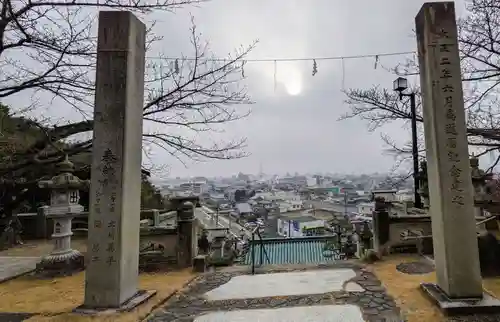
{"type": "Point", "coordinates": [287, 206]}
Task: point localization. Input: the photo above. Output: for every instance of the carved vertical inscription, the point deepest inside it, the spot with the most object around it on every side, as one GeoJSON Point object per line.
{"type": "Point", "coordinates": [104, 207]}
{"type": "Point", "coordinates": [444, 46]}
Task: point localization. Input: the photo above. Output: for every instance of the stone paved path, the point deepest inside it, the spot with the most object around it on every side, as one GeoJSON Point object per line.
{"type": "Point", "coordinates": [11, 267]}
{"type": "Point", "coordinates": [333, 293]}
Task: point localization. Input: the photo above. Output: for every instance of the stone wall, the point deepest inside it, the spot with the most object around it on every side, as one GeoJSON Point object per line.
{"type": "Point", "coordinates": [399, 234]}
{"type": "Point", "coordinates": [165, 237]}
{"type": "Point", "coordinates": [39, 226]}
{"type": "Point", "coordinates": [159, 234]}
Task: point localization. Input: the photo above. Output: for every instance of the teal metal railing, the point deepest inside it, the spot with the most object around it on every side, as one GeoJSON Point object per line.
{"type": "Point", "coordinates": [263, 251]}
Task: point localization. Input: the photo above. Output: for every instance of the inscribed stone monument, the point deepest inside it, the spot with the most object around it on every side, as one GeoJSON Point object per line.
{"type": "Point", "coordinates": [450, 187]}
{"type": "Point", "coordinates": [113, 236]}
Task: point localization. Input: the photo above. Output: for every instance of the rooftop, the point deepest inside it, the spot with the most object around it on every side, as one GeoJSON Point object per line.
{"type": "Point", "coordinates": [244, 207]}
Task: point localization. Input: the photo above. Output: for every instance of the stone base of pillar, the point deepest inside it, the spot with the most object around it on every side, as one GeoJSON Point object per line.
{"type": "Point", "coordinates": [61, 264]}
{"type": "Point", "coordinates": [464, 306]}
{"type": "Point", "coordinates": [200, 264]}
{"type": "Point", "coordinates": [139, 298]}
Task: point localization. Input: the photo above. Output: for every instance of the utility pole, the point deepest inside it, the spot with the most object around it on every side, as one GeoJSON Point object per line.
{"type": "Point", "coordinates": [217, 217]}
{"type": "Point", "coordinates": [416, 184]}
{"type": "Point", "coordinates": [400, 85]}
{"type": "Point", "coordinates": [345, 202]}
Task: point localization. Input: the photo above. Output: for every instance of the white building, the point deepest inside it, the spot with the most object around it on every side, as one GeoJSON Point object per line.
{"type": "Point", "coordinates": [286, 206]}
{"type": "Point", "coordinates": [311, 182]}
{"type": "Point", "coordinates": [194, 187]}
{"type": "Point", "coordinates": [293, 227]}
{"type": "Point", "coordinates": [366, 209]}
{"type": "Point", "coordinates": [286, 201]}
{"type": "Point", "coordinates": [404, 195]}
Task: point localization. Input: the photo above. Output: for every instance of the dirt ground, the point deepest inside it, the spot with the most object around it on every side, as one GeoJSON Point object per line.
{"type": "Point", "coordinates": [54, 299]}
{"type": "Point", "coordinates": [406, 292]}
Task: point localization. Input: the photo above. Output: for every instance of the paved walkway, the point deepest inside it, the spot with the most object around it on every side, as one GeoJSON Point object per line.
{"type": "Point", "coordinates": [339, 292]}
{"type": "Point", "coordinates": [11, 267]}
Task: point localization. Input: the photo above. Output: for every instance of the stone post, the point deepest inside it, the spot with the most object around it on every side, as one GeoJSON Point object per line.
{"type": "Point", "coordinates": [113, 237]}
{"type": "Point", "coordinates": [381, 227]}
{"type": "Point", "coordinates": [156, 217]}
{"type": "Point", "coordinates": [41, 221]}
{"type": "Point", "coordinates": [424, 184]}
{"type": "Point", "coordinates": [185, 234]}
{"type": "Point", "coordinates": [450, 187]}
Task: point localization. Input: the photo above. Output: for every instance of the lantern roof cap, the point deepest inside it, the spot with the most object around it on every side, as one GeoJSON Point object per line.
{"type": "Point", "coordinates": [65, 179]}
{"type": "Point", "coordinates": [66, 166]}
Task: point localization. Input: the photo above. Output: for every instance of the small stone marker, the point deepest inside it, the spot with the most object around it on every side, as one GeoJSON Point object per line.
{"type": "Point", "coordinates": [450, 187]}
{"type": "Point", "coordinates": [113, 235]}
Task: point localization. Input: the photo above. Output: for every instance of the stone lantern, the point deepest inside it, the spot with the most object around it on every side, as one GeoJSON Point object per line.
{"type": "Point", "coordinates": [423, 191]}
{"type": "Point", "coordinates": [479, 178]}
{"type": "Point", "coordinates": [64, 206]}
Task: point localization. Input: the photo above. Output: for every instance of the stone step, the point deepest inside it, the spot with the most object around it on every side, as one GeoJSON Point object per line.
{"type": "Point", "coordinates": [320, 313]}
{"type": "Point", "coordinates": [285, 284]}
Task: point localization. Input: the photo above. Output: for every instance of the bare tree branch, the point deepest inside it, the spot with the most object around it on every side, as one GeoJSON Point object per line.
{"type": "Point", "coordinates": [49, 47]}
{"type": "Point", "coordinates": [479, 39]}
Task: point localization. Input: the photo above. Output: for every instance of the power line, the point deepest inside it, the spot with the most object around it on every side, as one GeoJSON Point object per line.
{"type": "Point", "coordinates": [376, 56]}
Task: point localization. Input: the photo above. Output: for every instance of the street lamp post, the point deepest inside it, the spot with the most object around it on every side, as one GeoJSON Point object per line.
{"type": "Point", "coordinates": [400, 85]}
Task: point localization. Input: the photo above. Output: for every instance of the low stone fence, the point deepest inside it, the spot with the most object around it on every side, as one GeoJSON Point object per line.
{"type": "Point", "coordinates": [411, 233]}
{"type": "Point", "coordinates": [166, 237]}
{"type": "Point", "coordinates": [401, 233]}
{"type": "Point", "coordinates": [38, 225]}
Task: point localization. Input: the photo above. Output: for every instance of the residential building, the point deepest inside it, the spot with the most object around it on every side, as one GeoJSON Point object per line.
{"type": "Point", "coordinates": [366, 209]}
{"type": "Point", "coordinates": [194, 187]}
{"type": "Point", "coordinates": [298, 226]}
{"type": "Point", "coordinates": [404, 195]}
{"type": "Point", "coordinates": [243, 209]}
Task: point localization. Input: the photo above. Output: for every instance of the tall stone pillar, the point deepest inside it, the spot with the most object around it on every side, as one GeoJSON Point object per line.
{"type": "Point", "coordinates": [113, 236]}
{"type": "Point", "coordinates": [185, 234]}
{"type": "Point", "coordinates": [450, 187]}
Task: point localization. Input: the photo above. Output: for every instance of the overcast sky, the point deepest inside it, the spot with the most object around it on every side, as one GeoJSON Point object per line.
{"type": "Point", "coordinates": [294, 128]}
{"type": "Point", "coordinates": [288, 133]}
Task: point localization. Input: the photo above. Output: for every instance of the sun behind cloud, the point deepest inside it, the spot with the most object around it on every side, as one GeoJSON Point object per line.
{"type": "Point", "coordinates": [290, 76]}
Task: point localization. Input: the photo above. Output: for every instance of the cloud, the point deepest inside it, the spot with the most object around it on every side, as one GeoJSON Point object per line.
{"type": "Point", "coordinates": [300, 132]}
